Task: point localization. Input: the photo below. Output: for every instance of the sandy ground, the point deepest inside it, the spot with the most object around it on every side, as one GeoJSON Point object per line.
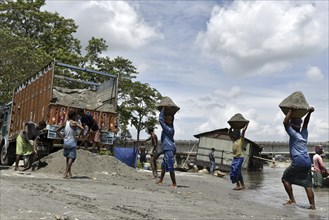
{"type": "Point", "coordinates": [125, 193]}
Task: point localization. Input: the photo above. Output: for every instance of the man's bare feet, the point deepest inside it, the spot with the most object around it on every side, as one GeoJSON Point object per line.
{"type": "Point", "coordinates": [290, 203]}
{"type": "Point", "coordinates": [159, 183]}
{"type": "Point", "coordinates": [237, 188]}
{"type": "Point", "coordinates": [312, 207]}
{"type": "Point", "coordinates": [173, 186]}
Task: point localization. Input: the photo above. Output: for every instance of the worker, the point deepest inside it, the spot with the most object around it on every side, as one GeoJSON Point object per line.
{"type": "Point", "coordinates": [154, 151]}
{"type": "Point", "coordinates": [237, 149]}
{"type": "Point", "coordinates": [92, 133]}
{"type": "Point", "coordinates": [212, 161]}
{"type": "Point", "coordinates": [319, 170]}
{"type": "Point", "coordinates": [168, 147]}
{"type": "Point", "coordinates": [299, 171]}
{"type": "Point", "coordinates": [142, 155]}
{"type": "Point", "coordinates": [26, 143]}
{"type": "Point", "coordinates": [70, 142]}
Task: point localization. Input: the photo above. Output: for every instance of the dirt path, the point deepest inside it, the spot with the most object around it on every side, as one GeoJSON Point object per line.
{"type": "Point", "coordinates": [38, 195]}
{"type": "Point", "coordinates": [105, 188]}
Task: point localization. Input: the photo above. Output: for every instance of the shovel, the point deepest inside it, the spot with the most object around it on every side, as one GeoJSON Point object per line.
{"type": "Point", "coordinates": [40, 163]}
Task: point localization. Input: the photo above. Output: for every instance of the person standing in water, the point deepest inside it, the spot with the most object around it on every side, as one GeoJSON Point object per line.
{"type": "Point", "coordinates": [299, 171]}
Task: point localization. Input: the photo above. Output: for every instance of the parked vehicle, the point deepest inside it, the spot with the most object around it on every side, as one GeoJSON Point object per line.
{"type": "Point", "coordinates": [49, 96]}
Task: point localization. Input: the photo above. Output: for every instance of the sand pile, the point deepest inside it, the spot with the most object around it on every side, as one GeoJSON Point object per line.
{"type": "Point", "coordinates": [89, 165]}
{"type": "Point", "coordinates": [237, 121]}
{"type": "Point", "coordinates": [297, 102]}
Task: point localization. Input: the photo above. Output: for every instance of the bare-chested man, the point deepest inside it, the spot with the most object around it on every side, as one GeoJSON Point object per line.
{"type": "Point", "coordinates": [154, 152]}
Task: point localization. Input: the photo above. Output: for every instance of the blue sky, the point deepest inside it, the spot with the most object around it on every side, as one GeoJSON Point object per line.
{"type": "Point", "coordinates": [219, 58]}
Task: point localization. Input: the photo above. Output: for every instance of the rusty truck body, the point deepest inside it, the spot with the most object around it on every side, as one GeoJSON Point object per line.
{"type": "Point", "coordinates": [49, 96]}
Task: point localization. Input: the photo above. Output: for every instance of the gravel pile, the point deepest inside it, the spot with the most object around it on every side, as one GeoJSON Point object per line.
{"type": "Point", "coordinates": [171, 107]}
{"type": "Point", "coordinates": [297, 102]}
{"type": "Point", "coordinates": [237, 121]}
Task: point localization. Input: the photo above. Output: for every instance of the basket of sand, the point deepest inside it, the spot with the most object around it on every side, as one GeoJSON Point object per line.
{"type": "Point", "coordinates": [297, 102]}
{"type": "Point", "coordinates": [238, 121]}
{"type": "Point", "coordinates": [170, 107]}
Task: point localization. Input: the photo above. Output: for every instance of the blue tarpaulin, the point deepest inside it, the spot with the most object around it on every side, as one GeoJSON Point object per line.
{"type": "Point", "coordinates": [127, 155]}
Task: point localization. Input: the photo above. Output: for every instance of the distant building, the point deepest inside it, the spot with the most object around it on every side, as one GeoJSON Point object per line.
{"type": "Point", "coordinates": [220, 140]}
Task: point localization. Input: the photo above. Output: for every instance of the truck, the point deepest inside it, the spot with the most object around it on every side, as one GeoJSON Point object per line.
{"type": "Point", "coordinates": [48, 96]}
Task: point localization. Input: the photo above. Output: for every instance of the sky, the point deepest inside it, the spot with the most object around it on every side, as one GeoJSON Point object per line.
{"type": "Point", "coordinates": [215, 59]}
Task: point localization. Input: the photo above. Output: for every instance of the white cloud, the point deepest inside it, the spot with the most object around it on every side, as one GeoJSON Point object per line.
{"type": "Point", "coordinates": [118, 22]}
{"type": "Point", "coordinates": [233, 93]}
{"type": "Point", "coordinates": [314, 73]}
{"type": "Point", "coordinates": [246, 37]}
{"type": "Point", "coordinates": [261, 37]}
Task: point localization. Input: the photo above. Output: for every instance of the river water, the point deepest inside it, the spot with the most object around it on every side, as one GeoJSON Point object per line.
{"type": "Point", "coordinates": [266, 187]}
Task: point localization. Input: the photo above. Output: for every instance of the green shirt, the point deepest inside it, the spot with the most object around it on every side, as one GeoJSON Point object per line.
{"type": "Point", "coordinates": [22, 147]}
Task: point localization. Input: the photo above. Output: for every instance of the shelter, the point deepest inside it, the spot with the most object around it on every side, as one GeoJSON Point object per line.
{"type": "Point", "coordinates": [221, 141]}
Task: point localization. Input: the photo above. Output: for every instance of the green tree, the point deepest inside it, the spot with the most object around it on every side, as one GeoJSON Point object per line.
{"type": "Point", "coordinates": [136, 101]}
{"type": "Point", "coordinates": [30, 38]}
{"type": "Point", "coordinates": [140, 106]}
{"type": "Point", "coordinates": [52, 32]}
{"type": "Point", "coordinates": [19, 60]}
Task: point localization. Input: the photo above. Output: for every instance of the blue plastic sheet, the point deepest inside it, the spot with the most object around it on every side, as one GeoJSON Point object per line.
{"type": "Point", "coordinates": [127, 155]}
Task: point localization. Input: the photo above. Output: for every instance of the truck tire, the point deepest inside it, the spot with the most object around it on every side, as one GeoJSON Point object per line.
{"type": "Point", "coordinates": [7, 158]}
{"type": "Point", "coordinates": [4, 156]}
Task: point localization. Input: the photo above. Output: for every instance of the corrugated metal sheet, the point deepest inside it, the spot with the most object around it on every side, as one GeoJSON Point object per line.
{"type": "Point", "coordinates": [220, 140]}
{"type": "Point", "coordinates": [223, 151]}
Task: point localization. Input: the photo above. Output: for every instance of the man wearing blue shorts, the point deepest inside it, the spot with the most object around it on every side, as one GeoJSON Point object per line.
{"type": "Point", "coordinates": [70, 143]}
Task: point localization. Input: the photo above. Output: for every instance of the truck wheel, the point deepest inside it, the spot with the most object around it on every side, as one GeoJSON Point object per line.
{"type": "Point", "coordinates": [8, 158]}
{"type": "Point", "coordinates": [4, 156]}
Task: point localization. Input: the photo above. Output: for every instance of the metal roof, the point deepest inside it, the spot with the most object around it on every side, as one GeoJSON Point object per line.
{"type": "Point", "coordinates": [218, 133]}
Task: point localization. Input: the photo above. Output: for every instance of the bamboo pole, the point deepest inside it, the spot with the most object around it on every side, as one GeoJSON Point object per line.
{"type": "Point", "coordinates": [273, 161]}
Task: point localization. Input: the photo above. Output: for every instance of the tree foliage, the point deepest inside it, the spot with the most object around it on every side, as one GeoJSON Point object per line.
{"type": "Point", "coordinates": [19, 60]}
{"type": "Point", "coordinates": [52, 32]}
{"type": "Point", "coordinates": [139, 106]}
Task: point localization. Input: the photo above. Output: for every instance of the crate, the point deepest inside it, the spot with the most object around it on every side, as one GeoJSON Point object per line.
{"type": "Point", "coordinates": [106, 137]}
